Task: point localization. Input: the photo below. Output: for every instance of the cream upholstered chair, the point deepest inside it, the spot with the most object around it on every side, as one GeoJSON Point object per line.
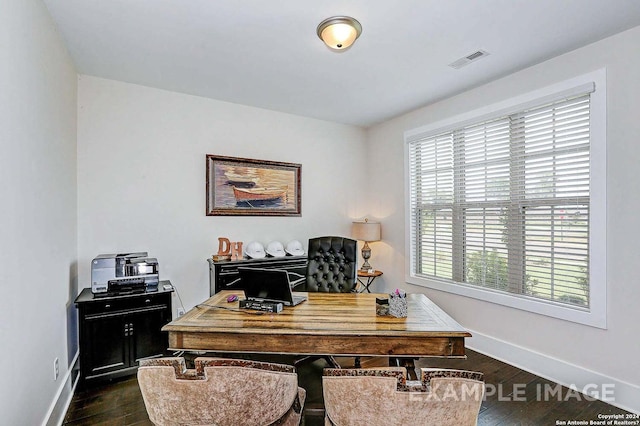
{"type": "Point", "coordinates": [383, 396]}
{"type": "Point", "coordinates": [220, 392]}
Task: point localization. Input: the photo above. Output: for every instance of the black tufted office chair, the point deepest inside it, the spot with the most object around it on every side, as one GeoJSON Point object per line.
{"type": "Point", "coordinates": [331, 268]}
{"type": "Point", "coordinates": [332, 265]}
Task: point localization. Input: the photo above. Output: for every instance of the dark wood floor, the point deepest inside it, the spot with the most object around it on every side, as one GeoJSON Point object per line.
{"type": "Point", "coordinates": [514, 396]}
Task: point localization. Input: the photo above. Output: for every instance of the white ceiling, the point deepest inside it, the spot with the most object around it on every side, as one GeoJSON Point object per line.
{"type": "Point", "coordinates": [267, 54]}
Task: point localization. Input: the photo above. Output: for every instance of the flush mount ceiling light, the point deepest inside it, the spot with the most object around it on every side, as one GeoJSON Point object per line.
{"type": "Point", "coordinates": [339, 32]}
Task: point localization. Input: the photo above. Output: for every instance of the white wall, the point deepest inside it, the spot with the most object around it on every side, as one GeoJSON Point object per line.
{"type": "Point", "coordinates": [611, 355]}
{"type": "Point", "coordinates": [141, 176]}
{"type": "Point", "coordinates": [38, 213]}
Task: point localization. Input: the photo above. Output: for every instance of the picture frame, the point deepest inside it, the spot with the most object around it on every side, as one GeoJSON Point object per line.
{"type": "Point", "coordinates": [250, 187]}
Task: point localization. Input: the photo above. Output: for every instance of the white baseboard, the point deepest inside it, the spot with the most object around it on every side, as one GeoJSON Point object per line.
{"type": "Point", "coordinates": [615, 391]}
{"type": "Point", "coordinates": [62, 400]}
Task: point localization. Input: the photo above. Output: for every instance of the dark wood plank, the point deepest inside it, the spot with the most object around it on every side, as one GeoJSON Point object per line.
{"type": "Point", "coordinates": [115, 403]}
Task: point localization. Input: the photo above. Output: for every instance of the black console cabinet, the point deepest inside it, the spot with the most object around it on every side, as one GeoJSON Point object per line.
{"type": "Point", "coordinates": [225, 276]}
{"type": "Point", "coordinates": [117, 331]}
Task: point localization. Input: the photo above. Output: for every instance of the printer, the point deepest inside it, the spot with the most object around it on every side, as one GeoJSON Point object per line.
{"type": "Point", "coordinates": [123, 273]}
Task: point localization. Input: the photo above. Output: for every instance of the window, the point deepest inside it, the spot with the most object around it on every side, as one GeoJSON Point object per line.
{"type": "Point", "coordinates": [500, 205]}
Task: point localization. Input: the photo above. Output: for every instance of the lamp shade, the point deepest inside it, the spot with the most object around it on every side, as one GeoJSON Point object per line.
{"type": "Point", "coordinates": [339, 32]}
{"type": "Point", "coordinates": [366, 231]}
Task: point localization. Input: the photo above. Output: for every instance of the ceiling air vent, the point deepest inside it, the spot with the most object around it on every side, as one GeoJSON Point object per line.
{"type": "Point", "coordinates": [468, 59]}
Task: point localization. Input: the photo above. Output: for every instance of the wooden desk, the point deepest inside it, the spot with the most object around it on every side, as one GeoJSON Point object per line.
{"type": "Point", "coordinates": [327, 323]}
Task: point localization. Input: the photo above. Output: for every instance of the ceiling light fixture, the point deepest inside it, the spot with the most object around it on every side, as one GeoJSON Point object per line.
{"type": "Point", "coordinates": [339, 32]}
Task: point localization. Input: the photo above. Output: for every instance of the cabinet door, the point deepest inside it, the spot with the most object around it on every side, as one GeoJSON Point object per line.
{"type": "Point", "coordinates": [146, 339]}
{"type": "Point", "coordinates": [106, 342]}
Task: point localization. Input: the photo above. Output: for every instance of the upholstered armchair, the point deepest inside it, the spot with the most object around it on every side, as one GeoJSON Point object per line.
{"type": "Point", "coordinates": [222, 392]}
{"type": "Point", "coordinates": [384, 396]}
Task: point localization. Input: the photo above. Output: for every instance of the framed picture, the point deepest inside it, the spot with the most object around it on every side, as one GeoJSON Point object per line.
{"type": "Point", "coordinates": [246, 187]}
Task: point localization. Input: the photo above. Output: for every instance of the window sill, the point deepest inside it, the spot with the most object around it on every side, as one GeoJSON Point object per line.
{"type": "Point", "coordinates": [595, 316]}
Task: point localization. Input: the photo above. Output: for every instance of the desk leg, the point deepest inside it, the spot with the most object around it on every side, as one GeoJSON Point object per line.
{"type": "Point", "coordinates": [406, 363]}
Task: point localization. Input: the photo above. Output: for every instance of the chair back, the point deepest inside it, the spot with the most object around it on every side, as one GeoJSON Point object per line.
{"type": "Point", "coordinates": [332, 265]}
{"type": "Point", "coordinates": [383, 396]}
{"type": "Point", "coordinates": [220, 392]}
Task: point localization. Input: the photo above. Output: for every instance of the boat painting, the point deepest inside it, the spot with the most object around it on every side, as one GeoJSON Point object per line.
{"type": "Point", "coordinates": [241, 186]}
{"type": "Point", "coordinates": [258, 194]}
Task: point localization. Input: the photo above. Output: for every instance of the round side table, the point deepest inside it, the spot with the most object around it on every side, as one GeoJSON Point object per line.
{"type": "Point", "coordinates": [369, 276]}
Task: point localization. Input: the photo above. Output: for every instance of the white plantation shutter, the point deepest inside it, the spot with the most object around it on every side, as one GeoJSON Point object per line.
{"type": "Point", "coordinates": [552, 150]}
{"type": "Point", "coordinates": [483, 168]}
{"type": "Point", "coordinates": [503, 204]}
{"type": "Point", "coordinates": [432, 197]}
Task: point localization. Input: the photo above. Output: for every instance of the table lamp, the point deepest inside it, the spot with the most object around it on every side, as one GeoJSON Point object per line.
{"type": "Point", "coordinates": [368, 232]}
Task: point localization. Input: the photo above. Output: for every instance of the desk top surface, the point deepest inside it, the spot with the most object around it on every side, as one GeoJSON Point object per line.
{"type": "Point", "coordinates": [323, 313]}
